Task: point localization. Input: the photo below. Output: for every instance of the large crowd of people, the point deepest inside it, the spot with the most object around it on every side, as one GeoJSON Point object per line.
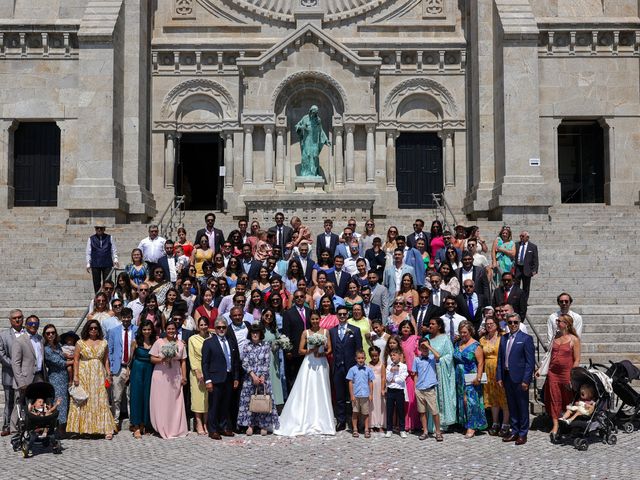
{"type": "Point", "coordinates": [278, 330]}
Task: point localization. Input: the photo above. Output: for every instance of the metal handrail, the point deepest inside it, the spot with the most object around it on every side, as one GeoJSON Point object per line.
{"type": "Point", "coordinates": [443, 207]}
{"type": "Point", "coordinates": [539, 343]}
{"type": "Point", "coordinates": [175, 208]}
{"type": "Point", "coordinates": [110, 276]}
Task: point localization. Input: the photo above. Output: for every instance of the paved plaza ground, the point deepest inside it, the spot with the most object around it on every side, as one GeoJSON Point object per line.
{"type": "Point", "coordinates": [341, 457]}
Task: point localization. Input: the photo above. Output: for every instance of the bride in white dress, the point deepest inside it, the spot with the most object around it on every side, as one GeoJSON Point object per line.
{"type": "Point", "coordinates": [308, 410]}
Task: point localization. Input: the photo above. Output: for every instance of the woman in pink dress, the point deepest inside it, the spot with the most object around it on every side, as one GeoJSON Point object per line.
{"type": "Point", "coordinates": [166, 408]}
{"type": "Point", "coordinates": [436, 241]}
{"type": "Point", "coordinates": [410, 349]}
{"type": "Point", "coordinates": [328, 318]}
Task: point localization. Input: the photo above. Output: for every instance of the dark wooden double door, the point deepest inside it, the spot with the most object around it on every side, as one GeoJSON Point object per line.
{"type": "Point", "coordinates": [419, 170]}
{"type": "Point", "coordinates": [199, 158]}
{"type": "Point", "coordinates": [36, 167]}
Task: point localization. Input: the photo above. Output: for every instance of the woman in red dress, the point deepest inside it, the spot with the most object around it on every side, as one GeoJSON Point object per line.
{"type": "Point", "coordinates": [206, 310]}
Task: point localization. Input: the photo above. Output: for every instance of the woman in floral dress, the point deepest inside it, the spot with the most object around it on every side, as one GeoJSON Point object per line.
{"type": "Point", "coordinates": [90, 370]}
{"type": "Point", "coordinates": [276, 367]}
{"type": "Point", "coordinates": [256, 361]}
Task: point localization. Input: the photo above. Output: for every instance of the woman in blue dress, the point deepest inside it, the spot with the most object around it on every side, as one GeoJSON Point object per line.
{"type": "Point", "coordinates": [446, 389]}
{"type": "Point", "coordinates": [469, 359]}
{"type": "Point", "coordinates": [56, 362]}
{"type": "Point", "coordinates": [137, 269]}
{"type": "Point", "coordinates": [140, 378]}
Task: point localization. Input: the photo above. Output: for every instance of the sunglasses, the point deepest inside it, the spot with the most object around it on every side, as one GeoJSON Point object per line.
{"type": "Point", "coordinates": [564, 301]}
{"type": "Point", "coordinates": [143, 289]}
{"type": "Point", "coordinates": [49, 333]}
{"type": "Point", "coordinates": [221, 328]}
{"type": "Point", "coordinates": [93, 328]}
{"type": "Point", "coordinates": [513, 322]}
{"type": "Point", "coordinates": [33, 324]}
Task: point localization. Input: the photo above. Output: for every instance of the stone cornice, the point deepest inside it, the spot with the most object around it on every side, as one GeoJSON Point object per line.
{"type": "Point", "coordinates": [517, 19]}
{"type": "Point", "coordinates": [99, 20]}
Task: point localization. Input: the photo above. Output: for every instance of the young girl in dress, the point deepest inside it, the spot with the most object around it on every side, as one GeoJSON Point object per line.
{"type": "Point", "coordinates": [378, 406]}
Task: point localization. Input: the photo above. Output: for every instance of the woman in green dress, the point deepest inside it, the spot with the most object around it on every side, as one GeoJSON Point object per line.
{"type": "Point", "coordinates": [140, 378]}
{"type": "Point", "coordinates": [445, 370]}
{"type": "Point", "coordinates": [276, 366]}
{"type": "Point", "coordinates": [503, 253]}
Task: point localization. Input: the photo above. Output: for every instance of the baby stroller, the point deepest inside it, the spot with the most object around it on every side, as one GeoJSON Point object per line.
{"type": "Point", "coordinates": [599, 422]}
{"type": "Point", "coordinates": [627, 416]}
{"type": "Point", "coordinates": [28, 422]}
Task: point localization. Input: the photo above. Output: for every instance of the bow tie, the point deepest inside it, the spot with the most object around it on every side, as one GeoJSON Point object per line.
{"type": "Point", "coordinates": [361, 367]}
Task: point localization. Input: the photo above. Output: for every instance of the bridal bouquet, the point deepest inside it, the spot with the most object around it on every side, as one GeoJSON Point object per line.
{"type": "Point", "coordinates": [169, 350]}
{"type": "Point", "coordinates": [316, 340]}
{"type": "Point", "coordinates": [284, 343]}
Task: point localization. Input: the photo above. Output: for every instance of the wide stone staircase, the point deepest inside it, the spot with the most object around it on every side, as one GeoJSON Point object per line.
{"type": "Point", "coordinates": [590, 251]}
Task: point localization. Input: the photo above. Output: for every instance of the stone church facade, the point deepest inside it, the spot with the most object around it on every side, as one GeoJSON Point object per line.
{"type": "Point", "coordinates": [507, 107]}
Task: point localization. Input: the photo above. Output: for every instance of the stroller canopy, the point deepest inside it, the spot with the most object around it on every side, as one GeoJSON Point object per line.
{"type": "Point", "coordinates": [627, 368]}
{"type": "Point", "coordinates": [40, 390]}
{"type": "Point", "coordinates": [599, 380]}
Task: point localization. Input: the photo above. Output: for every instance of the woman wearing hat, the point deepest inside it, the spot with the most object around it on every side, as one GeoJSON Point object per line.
{"type": "Point", "coordinates": [256, 361]}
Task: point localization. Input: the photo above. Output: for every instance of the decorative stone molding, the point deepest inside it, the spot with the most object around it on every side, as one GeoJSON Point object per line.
{"type": "Point", "coordinates": [361, 118]}
{"type": "Point", "coordinates": [422, 126]}
{"type": "Point", "coordinates": [207, 87]}
{"type": "Point", "coordinates": [420, 85]}
{"type": "Point", "coordinates": [576, 40]}
{"type": "Point", "coordinates": [258, 118]}
{"type": "Point", "coordinates": [196, 127]}
{"type": "Point", "coordinates": [184, 8]}
{"type": "Point", "coordinates": [433, 8]}
{"type": "Point", "coordinates": [305, 79]}
{"type": "Point", "coordinates": [54, 42]}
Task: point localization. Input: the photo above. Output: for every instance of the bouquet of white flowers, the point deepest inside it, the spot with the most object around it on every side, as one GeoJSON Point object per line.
{"type": "Point", "coordinates": [284, 343]}
{"type": "Point", "coordinates": [316, 340]}
{"type": "Point", "coordinates": [169, 350]}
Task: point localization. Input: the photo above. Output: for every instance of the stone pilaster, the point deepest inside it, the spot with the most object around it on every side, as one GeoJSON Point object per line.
{"type": "Point", "coordinates": [390, 160]}
{"type": "Point", "coordinates": [338, 155]}
{"type": "Point", "coordinates": [247, 155]}
{"type": "Point", "coordinates": [268, 154]}
{"type": "Point", "coordinates": [170, 159]}
{"type": "Point", "coordinates": [371, 153]}
{"type": "Point", "coordinates": [280, 157]}
{"type": "Point", "coordinates": [228, 159]}
{"type": "Point", "coordinates": [350, 153]}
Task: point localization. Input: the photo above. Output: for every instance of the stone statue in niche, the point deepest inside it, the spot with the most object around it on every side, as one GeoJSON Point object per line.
{"type": "Point", "coordinates": [312, 139]}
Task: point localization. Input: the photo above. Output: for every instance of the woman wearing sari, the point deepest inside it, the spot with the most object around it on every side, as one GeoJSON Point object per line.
{"type": "Point", "coordinates": [445, 370]}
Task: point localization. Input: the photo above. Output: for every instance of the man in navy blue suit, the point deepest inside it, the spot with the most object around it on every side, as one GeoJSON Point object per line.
{"type": "Point", "coordinates": [371, 310]}
{"type": "Point", "coordinates": [345, 341]}
{"type": "Point", "coordinates": [516, 360]}
{"type": "Point", "coordinates": [327, 240]}
{"type": "Point", "coordinates": [221, 371]}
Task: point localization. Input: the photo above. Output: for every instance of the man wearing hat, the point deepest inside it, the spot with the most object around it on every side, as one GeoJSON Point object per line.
{"type": "Point", "coordinates": [101, 255]}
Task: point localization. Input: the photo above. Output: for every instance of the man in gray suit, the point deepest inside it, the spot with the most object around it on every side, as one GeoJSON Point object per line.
{"type": "Point", "coordinates": [27, 363]}
{"type": "Point", "coordinates": [393, 274]}
{"type": "Point", "coordinates": [379, 294]}
{"type": "Point", "coordinates": [7, 338]}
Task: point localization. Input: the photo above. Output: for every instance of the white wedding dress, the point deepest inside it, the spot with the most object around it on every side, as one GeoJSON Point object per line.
{"type": "Point", "coordinates": [308, 410]}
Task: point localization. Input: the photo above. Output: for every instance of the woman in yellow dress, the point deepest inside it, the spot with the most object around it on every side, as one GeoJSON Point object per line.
{"type": "Point", "coordinates": [494, 396]}
{"type": "Point", "coordinates": [91, 369]}
{"type": "Point", "coordinates": [359, 320]}
{"type": "Point", "coordinates": [202, 253]}
{"type": "Point", "coordinates": [199, 400]}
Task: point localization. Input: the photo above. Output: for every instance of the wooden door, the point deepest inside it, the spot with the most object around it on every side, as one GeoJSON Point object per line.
{"type": "Point", "coordinates": [419, 169]}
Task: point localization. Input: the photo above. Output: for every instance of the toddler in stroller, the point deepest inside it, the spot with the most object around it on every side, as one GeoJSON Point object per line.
{"type": "Point", "coordinates": [37, 419]}
{"type": "Point", "coordinates": [584, 406]}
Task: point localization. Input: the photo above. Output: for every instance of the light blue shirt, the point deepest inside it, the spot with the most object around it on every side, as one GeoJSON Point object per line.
{"type": "Point", "coordinates": [360, 376]}
{"type": "Point", "coordinates": [37, 347]}
{"type": "Point", "coordinates": [337, 302]}
{"type": "Point", "coordinates": [426, 372]}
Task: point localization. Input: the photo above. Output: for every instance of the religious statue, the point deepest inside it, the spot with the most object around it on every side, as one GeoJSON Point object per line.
{"type": "Point", "coordinates": [312, 139]}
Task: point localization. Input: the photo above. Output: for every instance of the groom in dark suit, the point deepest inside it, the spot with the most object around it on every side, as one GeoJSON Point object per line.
{"type": "Point", "coordinates": [345, 341]}
{"type": "Point", "coordinates": [294, 322]}
{"type": "Point", "coordinates": [221, 371]}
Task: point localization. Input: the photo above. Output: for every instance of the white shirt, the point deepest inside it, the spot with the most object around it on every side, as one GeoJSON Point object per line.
{"type": "Point", "coordinates": [173, 274]}
{"type": "Point", "coordinates": [327, 240]}
{"type": "Point", "coordinates": [136, 307]}
{"type": "Point", "coordinates": [552, 325]}
{"type": "Point", "coordinates": [466, 275]}
{"type": "Point", "coordinates": [480, 260]}
{"type": "Point", "coordinates": [152, 250]}
{"type": "Point", "coordinates": [18, 334]}
{"type": "Point", "coordinates": [350, 265]}
{"type": "Point", "coordinates": [37, 347]}
{"type": "Point", "coordinates": [397, 380]}
{"type": "Point", "coordinates": [211, 235]}
{"type": "Point", "coordinates": [240, 331]}
{"type": "Point", "coordinates": [398, 272]}
{"type": "Point", "coordinates": [457, 320]}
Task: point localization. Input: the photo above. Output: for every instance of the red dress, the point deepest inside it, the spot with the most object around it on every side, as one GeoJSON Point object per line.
{"type": "Point", "coordinates": [211, 317]}
{"type": "Point", "coordinates": [557, 388]}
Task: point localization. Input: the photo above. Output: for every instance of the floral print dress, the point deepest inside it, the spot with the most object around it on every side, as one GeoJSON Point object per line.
{"type": "Point", "coordinates": [472, 414]}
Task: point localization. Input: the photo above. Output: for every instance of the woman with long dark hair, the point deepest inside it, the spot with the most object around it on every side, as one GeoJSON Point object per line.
{"type": "Point", "coordinates": [436, 241]}
{"type": "Point", "coordinates": [151, 311]}
{"type": "Point", "coordinates": [140, 378]}
{"type": "Point", "coordinates": [57, 363]}
{"type": "Point", "coordinates": [123, 289]}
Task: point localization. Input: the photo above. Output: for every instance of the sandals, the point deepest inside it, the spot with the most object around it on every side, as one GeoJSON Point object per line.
{"type": "Point", "coordinates": [355, 434]}
{"type": "Point", "coordinates": [367, 434]}
{"type": "Point", "coordinates": [439, 437]}
{"type": "Point", "coordinates": [424, 436]}
{"type": "Point", "coordinates": [137, 434]}
{"type": "Point", "coordinates": [108, 436]}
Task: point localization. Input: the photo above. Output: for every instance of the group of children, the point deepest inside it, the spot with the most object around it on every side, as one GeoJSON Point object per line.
{"type": "Point", "coordinates": [367, 381]}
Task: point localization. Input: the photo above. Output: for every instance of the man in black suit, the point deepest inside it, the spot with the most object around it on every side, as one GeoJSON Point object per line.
{"type": "Point", "coordinates": [526, 262]}
{"type": "Point", "coordinates": [425, 311]}
{"type": "Point", "coordinates": [345, 340]}
{"type": "Point", "coordinates": [249, 265]}
{"type": "Point", "coordinates": [471, 303]}
{"type": "Point", "coordinates": [168, 262]}
{"type": "Point", "coordinates": [371, 310]}
{"type": "Point", "coordinates": [282, 232]}
{"type": "Point", "coordinates": [327, 240]}
{"type": "Point", "coordinates": [294, 322]}
{"type": "Point", "coordinates": [511, 294]}
{"type": "Point", "coordinates": [221, 371]}
{"type": "Point", "coordinates": [339, 277]}
{"type": "Point", "coordinates": [305, 261]}
{"type": "Point", "coordinates": [215, 235]}
{"type": "Point", "coordinates": [417, 234]}
{"type": "Point", "coordinates": [477, 274]}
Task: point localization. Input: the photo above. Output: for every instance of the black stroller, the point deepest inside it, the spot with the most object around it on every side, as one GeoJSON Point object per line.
{"type": "Point", "coordinates": [627, 417]}
{"type": "Point", "coordinates": [599, 422]}
{"type": "Point", "coordinates": [31, 427]}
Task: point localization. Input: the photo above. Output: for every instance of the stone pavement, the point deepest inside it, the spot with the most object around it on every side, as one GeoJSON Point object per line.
{"type": "Point", "coordinates": [341, 457]}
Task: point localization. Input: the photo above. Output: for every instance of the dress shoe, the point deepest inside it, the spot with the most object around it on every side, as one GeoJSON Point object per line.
{"type": "Point", "coordinates": [228, 433]}
{"type": "Point", "coordinates": [5, 432]}
{"type": "Point", "coordinates": [215, 436]}
{"type": "Point", "coordinates": [510, 438]}
{"type": "Point", "coordinates": [341, 426]}
{"type": "Point", "coordinates": [521, 440]}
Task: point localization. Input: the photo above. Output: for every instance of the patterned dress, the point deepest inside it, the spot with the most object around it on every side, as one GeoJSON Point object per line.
{"type": "Point", "coordinates": [276, 370]}
{"type": "Point", "coordinates": [137, 275]}
{"type": "Point", "coordinates": [56, 364]}
{"type": "Point", "coordinates": [93, 416]}
{"type": "Point", "coordinates": [410, 349]}
{"type": "Point", "coordinates": [256, 359]}
{"type": "Point", "coordinates": [472, 415]}
{"type": "Point", "coordinates": [493, 393]}
{"type": "Point", "coordinates": [505, 262]}
{"type": "Point", "coordinates": [446, 388]}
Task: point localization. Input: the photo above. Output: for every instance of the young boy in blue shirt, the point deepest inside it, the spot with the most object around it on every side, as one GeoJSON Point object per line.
{"type": "Point", "coordinates": [426, 383]}
{"type": "Point", "coordinates": [361, 379]}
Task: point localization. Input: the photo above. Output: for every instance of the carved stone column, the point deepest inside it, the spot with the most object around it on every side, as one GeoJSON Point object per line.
{"type": "Point", "coordinates": [338, 155]}
{"type": "Point", "coordinates": [268, 154]}
{"type": "Point", "coordinates": [449, 167]}
{"type": "Point", "coordinates": [371, 154]}
{"type": "Point", "coordinates": [170, 159]}
{"type": "Point", "coordinates": [280, 132]}
{"type": "Point", "coordinates": [6, 164]}
{"type": "Point", "coordinates": [390, 163]}
{"type": "Point", "coordinates": [228, 159]}
{"type": "Point", "coordinates": [350, 147]}
{"type": "Point", "coordinates": [248, 154]}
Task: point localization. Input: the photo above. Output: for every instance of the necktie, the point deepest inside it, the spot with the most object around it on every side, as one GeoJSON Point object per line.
{"type": "Point", "coordinates": [338, 273]}
{"type": "Point", "coordinates": [452, 329]}
{"type": "Point", "coordinates": [421, 316]}
{"type": "Point", "coordinates": [341, 333]}
{"type": "Point", "coordinates": [227, 355]}
{"type": "Point", "coordinates": [506, 295]}
{"type": "Point", "coordinates": [509, 345]}
{"type": "Point", "coordinates": [470, 304]}
{"type": "Point", "coordinates": [280, 237]}
{"type": "Point", "coordinates": [302, 315]}
{"type": "Point", "coordinates": [125, 346]}
{"type": "Point", "coordinates": [522, 254]}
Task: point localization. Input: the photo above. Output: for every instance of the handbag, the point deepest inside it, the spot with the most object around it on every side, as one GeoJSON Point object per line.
{"type": "Point", "coordinates": [78, 394]}
{"type": "Point", "coordinates": [260, 403]}
{"type": "Point", "coordinates": [470, 377]}
{"type": "Point", "coordinates": [546, 361]}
